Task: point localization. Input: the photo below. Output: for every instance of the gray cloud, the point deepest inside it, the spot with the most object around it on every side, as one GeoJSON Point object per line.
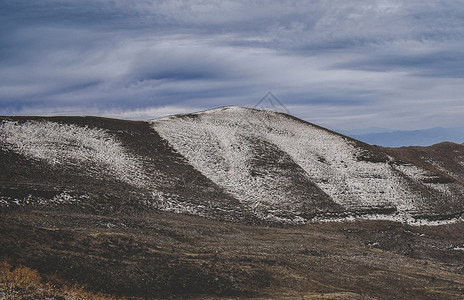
{"type": "Point", "coordinates": [376, 63]}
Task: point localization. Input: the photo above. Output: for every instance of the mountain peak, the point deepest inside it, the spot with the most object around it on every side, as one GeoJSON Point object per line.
{"type": "Point", "coordinates": [285, 169]}
{"type": "Point", "coordinates": [222, 109]}
{"type": "Point", "coordinates": [230, 163]}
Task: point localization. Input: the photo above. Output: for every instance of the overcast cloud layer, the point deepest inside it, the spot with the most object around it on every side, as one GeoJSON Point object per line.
{"type": "Point", "coordinates": [342, 64]}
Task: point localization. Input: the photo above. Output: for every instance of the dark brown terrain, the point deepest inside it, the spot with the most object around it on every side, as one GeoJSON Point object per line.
{"type": "Point", "coordinates": [161, 255]}
{"type": "Point", "coordinates": [77, 221]}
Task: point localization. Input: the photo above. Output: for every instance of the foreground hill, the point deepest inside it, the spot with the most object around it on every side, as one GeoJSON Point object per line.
{"type": "Point", "coordinates": [228, 203]}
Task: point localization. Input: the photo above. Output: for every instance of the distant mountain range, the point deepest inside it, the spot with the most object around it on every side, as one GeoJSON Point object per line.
{"type": "Point", "coordinates": [400, 138]}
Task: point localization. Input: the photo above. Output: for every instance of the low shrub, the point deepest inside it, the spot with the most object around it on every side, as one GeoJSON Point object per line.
{"type": "Point", "coordinates": [25, 283]}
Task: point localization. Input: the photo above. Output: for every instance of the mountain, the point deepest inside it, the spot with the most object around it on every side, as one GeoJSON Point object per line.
{"type": "Point", "coordinates": [230, 163]}
{"type": "Point", "coordinates": [364, 131]}
{"type": "Point", "coordinates": [229, 202]}
{"type": "Point", "coordinates": [425, 137]}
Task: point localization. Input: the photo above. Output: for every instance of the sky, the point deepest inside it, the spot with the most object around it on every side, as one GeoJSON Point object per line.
{"type": "Point", "coordinates": [340, 64]}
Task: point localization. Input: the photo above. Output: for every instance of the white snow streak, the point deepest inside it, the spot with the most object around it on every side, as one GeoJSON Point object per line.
{"type": "Point", "coordinates": [65, 144]}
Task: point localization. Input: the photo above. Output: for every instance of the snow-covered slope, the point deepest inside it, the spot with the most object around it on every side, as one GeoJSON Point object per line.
{"type": "Point", "coordinates": [65, 144]}
{"type": "Point", "coordinates": [224, 144]}
{"type": "Point", "coordinates": [102, 164]}
{"type": "Point", "coordinates": [230, 163]}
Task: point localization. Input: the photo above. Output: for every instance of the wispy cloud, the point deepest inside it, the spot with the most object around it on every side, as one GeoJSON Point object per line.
{"type": "Point", "coordinates": [147, 113]}
{"type": "Point", "coordinates": [379, 63]}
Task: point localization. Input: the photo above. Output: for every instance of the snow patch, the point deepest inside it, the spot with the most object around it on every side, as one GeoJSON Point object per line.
{"type": "Point", "coordinates": [400, 218]}
{"type": "Point", "coordinates": [171, 203]}
{"type": "Point", "coordinates": [65, 197]}
{"type": "Point", "coordinates": [71, 145]}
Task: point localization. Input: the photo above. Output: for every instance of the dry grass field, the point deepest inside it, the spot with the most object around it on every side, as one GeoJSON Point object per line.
{"type": "Point", "coordinates": [151, 255]}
